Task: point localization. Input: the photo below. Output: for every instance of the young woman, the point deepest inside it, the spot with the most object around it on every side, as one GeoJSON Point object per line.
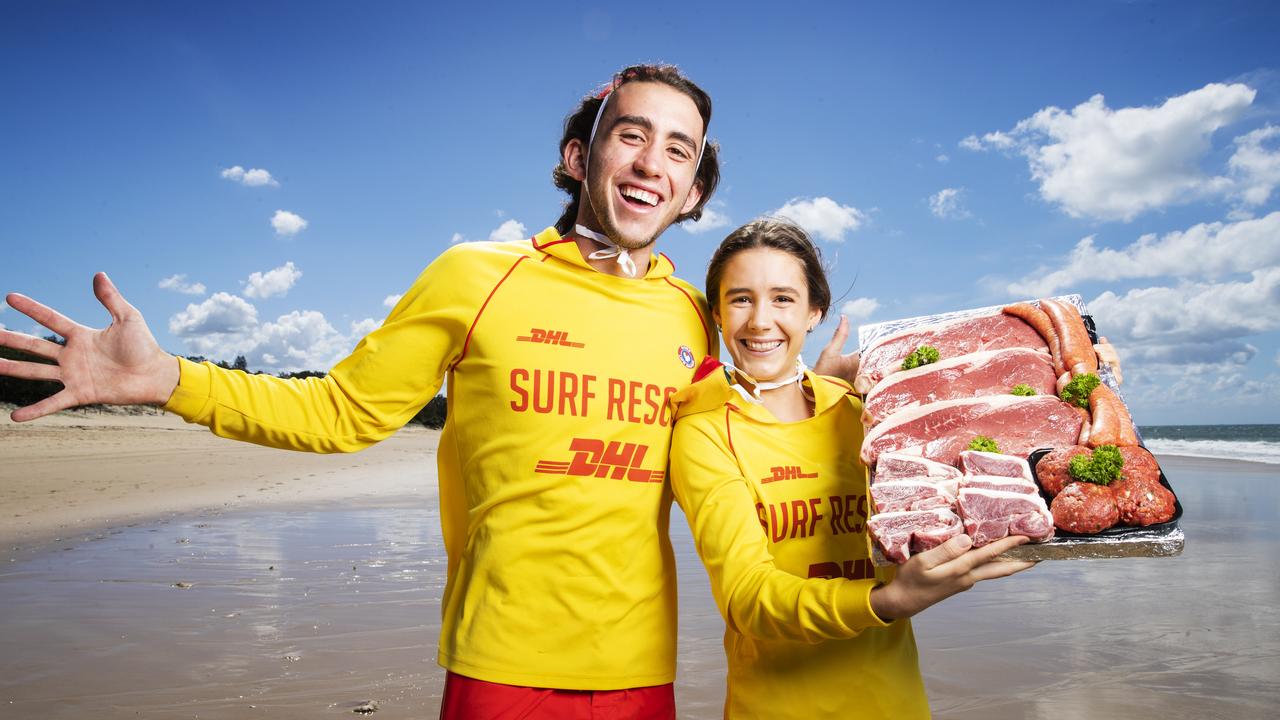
{"type": "Point", "coordinates": [764, 463]}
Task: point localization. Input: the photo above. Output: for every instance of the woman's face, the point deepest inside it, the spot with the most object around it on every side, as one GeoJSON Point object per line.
{"type": "Point", "coordinates": [764, 312]}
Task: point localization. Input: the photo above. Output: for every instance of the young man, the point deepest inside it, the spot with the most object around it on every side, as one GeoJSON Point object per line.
{"type": "Point", "coordinates": [560, 354]}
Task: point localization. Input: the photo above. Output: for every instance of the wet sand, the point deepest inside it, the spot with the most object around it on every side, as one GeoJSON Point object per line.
{"type": "Point", "coordinates": [312, 596]}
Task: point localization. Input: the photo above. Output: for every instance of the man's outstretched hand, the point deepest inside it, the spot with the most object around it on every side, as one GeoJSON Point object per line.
{"type": "Point", "coordinates": [121, 364]}
{"type": "Point", "coordinates": [834, 361]}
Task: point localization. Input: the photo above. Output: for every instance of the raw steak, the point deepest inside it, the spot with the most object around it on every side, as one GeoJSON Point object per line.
{"type": "Point", "coordinates": [976, 462]}
{"type": "Point", "coordinates": [917, 494]}
{"type": "Point", "coordinates": [996, 482]}
{"type": "Point", "coordinates": [993, 372]}
{"type": "Point", "coordinates": [992, 514]}
{"type": "Point", "coordinates": [894, 466]}
{"type": "Point", "coordinates": [899, 534]}
{"type": "Point", "coordinates": [986, 332]}
{"type": "Point", "coordinates": [941, 431]}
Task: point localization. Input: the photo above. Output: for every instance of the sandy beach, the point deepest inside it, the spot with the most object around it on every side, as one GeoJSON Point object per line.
{"type": "Point", "coordinates": [153, 570]}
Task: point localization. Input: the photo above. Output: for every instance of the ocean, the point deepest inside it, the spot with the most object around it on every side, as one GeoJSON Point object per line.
{"type": "Point", "coordinates": [1250, 443]}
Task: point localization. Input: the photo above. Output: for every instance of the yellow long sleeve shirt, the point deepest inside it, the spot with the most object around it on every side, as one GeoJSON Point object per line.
{"type": "Point", "coordinates": [552, 461]}
{"type": "Point", "coordinates": [778, 512]}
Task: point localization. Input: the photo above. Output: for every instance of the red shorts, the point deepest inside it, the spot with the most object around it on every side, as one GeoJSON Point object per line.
{"type": "Point", "coordinates": [470, 699]}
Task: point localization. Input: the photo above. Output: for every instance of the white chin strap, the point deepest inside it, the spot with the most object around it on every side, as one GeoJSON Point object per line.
{"type": "Point", "coordinates": [753, 395]}
{"type": "Point", "coordinates": [611, 249]}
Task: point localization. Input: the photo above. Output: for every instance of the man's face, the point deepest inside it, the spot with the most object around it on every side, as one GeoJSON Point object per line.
{"type": "Point", "coordinates": [642, 167]}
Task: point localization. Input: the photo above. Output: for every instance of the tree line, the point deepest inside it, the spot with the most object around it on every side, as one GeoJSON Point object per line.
{"type": "Point", "coordinates": [25, 392]}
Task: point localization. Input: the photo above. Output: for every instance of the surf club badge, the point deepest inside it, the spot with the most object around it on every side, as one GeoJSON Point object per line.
{"type": "Point", "coordinates": [686, 356]}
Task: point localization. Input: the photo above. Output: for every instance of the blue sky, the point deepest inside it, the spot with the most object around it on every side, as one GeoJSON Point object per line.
{"type": "Point", "coordinates": [259, 178]}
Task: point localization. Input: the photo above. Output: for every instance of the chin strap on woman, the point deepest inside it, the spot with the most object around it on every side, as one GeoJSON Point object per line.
{"type": "Point", "coordinates": [753, 395]}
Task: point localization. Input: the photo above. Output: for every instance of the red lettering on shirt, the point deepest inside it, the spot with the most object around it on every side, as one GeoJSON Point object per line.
{"type": "Point", "coordinates": [561, 392]}
{"type": "Point", "coordinates": [842, 519]}
{"type": "Point", "coordinates": [615, 460]}
{"type": "Point", "coordinates": [549, 337]}
{"type": "Point", "coordinates": [859, 569]}
{"type": "Point", "coordinates": [790, 518]}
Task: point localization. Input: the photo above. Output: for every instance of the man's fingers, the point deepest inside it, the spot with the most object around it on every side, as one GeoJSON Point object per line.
{"type": "Point", "coordinates": [838, 338]}
{"type": "Point", "coordinates": [30, 370]}
{"type": "Point", "coordinates": [968, 561]}
{"type": "Point", "coordinates": [42, 314]}
{"type": "Point", "coordinates": [29, 344]}
{"type": "Point", "coordinates": [110, 297]}
{"type": "Point", "coordinates": [47, 406]}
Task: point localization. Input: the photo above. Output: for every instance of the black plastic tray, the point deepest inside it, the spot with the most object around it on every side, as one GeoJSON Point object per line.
{"type": "Point", "coordinates": [1115, 531]}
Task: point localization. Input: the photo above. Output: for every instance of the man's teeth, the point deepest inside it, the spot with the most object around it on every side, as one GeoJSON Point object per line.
{"type": "Point", "coordinates": [762, 345]}
{"type": "Point", "coordinates": [643, 196]}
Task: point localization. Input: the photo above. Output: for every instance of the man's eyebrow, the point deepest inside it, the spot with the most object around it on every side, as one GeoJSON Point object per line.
{"type": "Point", "coordinates": [647, 124]}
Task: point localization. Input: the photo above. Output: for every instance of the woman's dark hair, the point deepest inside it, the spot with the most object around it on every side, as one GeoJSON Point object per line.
{"type": "Point", "coordinates": [578, 127]}
{"type": "Point", "coordinates": [776, 234]}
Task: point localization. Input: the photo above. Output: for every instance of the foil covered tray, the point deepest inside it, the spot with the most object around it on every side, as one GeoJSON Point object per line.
{"type": "Point", "coordinates": [1160, 540]}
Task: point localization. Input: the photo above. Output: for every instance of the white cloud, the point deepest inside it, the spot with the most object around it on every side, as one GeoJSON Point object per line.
{"type": "Point", "coordinates": [273, 282]}
{"type": "Point", "coordinates": [300, 340]}
{"type": "Point", "coordinates": [942, 159]}
{"type": "Point", "coordinates": [360, 328]}
{"type": "Point", "coordinates": [220, 314]}
{"type": "Point", "coordinates": [946, 204]}
{"type": "Point", "coordinates": [823, 217]}
{"type": "Point", "coordinates": [1096, 162]}
{"type": "Point", "coordinates": [712, 219]}
{"type": "Point", "coordinates": [391, 300]}
{"type": "Point", "coordinates": [860, 308]}
{"type": "Point", "coordinates": [1193, 312]}
{"type": "Point", "coordinates": [179, 284]}
{"type": "Point", "coordinates": [287, 223]}
{"type": "Point", "coordinates": [457, 238]}
{"type": "Point", "coordinates": [1256, 169]}
{"type": "Point", "coordinates": [226, 326]}
{"type": "Point", "coordinates": [1207, 250]}
{"type": "Point", "coordinates": [507, 231]}
{"type": "Point", "coordinates": [253, 177]}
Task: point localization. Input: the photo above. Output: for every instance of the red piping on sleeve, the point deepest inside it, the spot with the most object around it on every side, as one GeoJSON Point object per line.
{"type": "Point", "coordinates": [706, 328]}
{"type": "Point", "coordinates": [847, 390]}
{"type": "Point", "coordinates": [728, 432]}
{"type": "Point", "coordinates": [467, 343]}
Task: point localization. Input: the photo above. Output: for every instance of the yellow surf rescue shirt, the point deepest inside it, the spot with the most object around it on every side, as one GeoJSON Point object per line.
{"type": "Point", "coordinates": [778, 513]}
{"type": "Point", "coordinates": [552, 462]}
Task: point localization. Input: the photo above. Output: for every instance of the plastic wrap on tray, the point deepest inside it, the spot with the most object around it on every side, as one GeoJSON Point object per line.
{"type": "Point", "coordinates": [1159, 540]}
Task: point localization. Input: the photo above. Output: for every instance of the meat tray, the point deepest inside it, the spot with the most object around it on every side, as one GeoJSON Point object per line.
{"type": "Point", "coordinates": [1160, 540]}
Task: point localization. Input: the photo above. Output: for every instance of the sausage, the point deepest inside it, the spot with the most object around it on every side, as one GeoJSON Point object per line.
{"type": "Point", "coordinates": [1112, 424]}
{"type": "Point", "coordinates": [1085, 424]}
{"type": "Point", "coordinates": [1105, 428]}
{"type": "Point", "coordinates": [1036, 318]}
{"type": "Point", "coordinates": [1077, 350]}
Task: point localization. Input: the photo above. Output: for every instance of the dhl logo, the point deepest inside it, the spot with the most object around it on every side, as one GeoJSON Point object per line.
{"type": "Point", "coordinates": [549, 337]}
{"type": "Point", "coordinates": [786, 472]}
{"type": "Point", "coordinates": [594, 458]}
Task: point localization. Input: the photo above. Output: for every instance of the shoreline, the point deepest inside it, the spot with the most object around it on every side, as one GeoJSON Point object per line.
{"type": "Point", "coordinates": [258, 582]}
{"type": "Point", "coordinates": [77, 474]}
